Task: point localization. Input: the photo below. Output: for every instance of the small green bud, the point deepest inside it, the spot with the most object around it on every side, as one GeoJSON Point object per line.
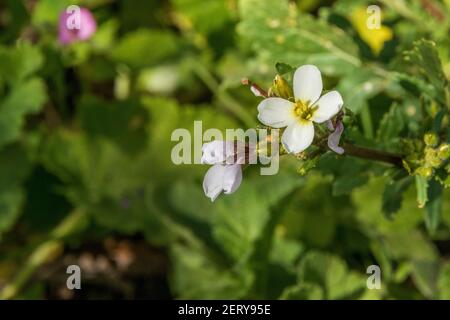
{"type": "Point", "coordinates": [430, 139]}
{"type": "Point", "coordinates": [282, 88]}
{"type": "Point", "coordinates": [431, 157]}
{"type": "Point", "coordinates": [444, 151]}
{"type": "Point", "coordinates": [425, 172]}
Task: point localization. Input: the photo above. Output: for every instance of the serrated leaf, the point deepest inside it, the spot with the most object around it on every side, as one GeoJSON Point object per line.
{"type": "Point", "coordinates": [277, 31]}
{"type": "Point", "coordinates": [425, 58]}
{"type": "Point", "coordinates": [332, 274]}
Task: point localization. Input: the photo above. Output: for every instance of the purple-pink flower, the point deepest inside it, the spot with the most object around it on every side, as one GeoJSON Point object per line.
{"type": "Point", "coordinates": [335, 136]}
{"type": "Point", "coordinates": [76, 25]}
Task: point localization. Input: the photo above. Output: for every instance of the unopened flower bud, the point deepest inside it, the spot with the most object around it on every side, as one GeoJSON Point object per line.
{"type": "Point", "coordinates": [444, 151]}
{"type": "Point", "coordinates": [430, 139]}
{"type": "Point", "coordinates": [425, 172]}
{"type": "Point", "coordinates": [282, 88]}
{"type": "Point", "coordinates": [431, 157]}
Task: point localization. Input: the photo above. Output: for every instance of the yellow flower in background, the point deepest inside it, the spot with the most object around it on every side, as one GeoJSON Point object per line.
{"type": "Point", "coordinates": [374, 37]}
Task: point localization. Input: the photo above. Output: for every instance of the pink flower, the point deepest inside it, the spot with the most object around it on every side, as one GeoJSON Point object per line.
{"type": "Point", "coordinates": [76, 24]}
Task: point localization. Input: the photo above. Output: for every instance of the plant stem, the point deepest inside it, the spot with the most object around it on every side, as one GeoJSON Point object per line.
{"type": "Point", "coordinates": [227, 100]}
{"type": "Point", "coordinates": [372, 154]}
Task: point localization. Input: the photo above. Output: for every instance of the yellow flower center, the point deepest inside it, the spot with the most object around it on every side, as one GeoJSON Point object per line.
{"type": "Point", "coordinates": [303, 110]}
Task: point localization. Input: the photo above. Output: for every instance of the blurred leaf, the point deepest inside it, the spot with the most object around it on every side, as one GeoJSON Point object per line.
{"type": "Point", "coordinates": [196, 276]}
{"type": "Point", "coordinates": [303, 291]}
{"type": "Point", "coordinates": [16, 64]}
{"type": "Point", "coordinates": [239, 220]}
{"type": "Point", "coordinates": [14, 168]}
{"type": "Point", "coordinates": [391, 125]}
{"type": "Point", "coordinates": [204, 17]}
{"type": "Point", "coordinates": [444, 282]}
{"type": "Point", "coordinates": [393, 195]}
{"type": "Point", "coordinates": [332, 274]}
{"type": "Point", "coordinates": [124, 122]}
{"type": "Point", "coordinates": [433, 207]}
{"type": "Point", "coordinates": [138, 49]}
{"type": "Point", "coordinates": [25, 98]}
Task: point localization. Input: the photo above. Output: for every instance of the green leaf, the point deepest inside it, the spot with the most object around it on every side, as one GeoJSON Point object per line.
{"type": "Point", "coordinates": [197, 276]}
{"type": "Point", "coordinates": [276, 31]}
{"type": "Point", "coordinates": [16, 64]}
{"type": "Point", "coordinates": [393, 195]}
{"type": "Point", "coordinates": [433, 207]}
{"type": "Point", "coordinates": [303, 291]}
{"type": "Point", "coordinates": [332, 274]}
{"type": "Point", "coordinates": [25, 98]}
{"type": "Point", "coordinates": [48, 11]}
{"type": "Point", "coordinates": [444, 282]}
{"type": "Point", "coordinates": [422, 191]}
{"type": "Point", "coordinates": [239, 220]}
{"type": "Point", "coordinates": [356, 88]}
{"type": "Point", "coordinates": [14, 168]}
{"type": "Point", "coordinates": [10, 204]}
{"type": "Point", "coordinates": [124, 122]}
{"type": "Point", "coordinates": [138, 49]}
{"type": "Point", "coordinates": [391, 125]}
{"type": "Point", "coordinates": [425, 58]}
{"type": "Point", "coordinates": [205, 16]}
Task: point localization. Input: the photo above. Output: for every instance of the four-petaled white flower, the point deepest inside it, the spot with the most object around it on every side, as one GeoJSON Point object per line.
{"type": "Point", "coordinates": [298, 116]}
{"type": "Point", "coordinates": [227, 158]}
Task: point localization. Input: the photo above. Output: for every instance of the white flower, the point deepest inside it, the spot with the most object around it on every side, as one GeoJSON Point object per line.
{"type": "Point", "coordinates": [219, 151]}
{"type": "Point", "coordinates": [298, 116]}
{"type": "Point", "coordinates": [226, 173]}
{"type": "Point", "coordinates": [221, 177]}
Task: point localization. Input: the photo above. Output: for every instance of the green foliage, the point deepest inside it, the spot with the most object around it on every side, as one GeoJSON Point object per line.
{"type": "Point", "coordinates": [86, 142]}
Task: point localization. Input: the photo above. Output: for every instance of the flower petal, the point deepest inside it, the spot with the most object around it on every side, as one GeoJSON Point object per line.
{"type": "Point", "coordinates": [232, 178]}
{"type": "Point", "coordinates": [276, 112]}
{"type": "Point", "coordinates": [327, 106]}
{"type": "Point", "coordinates": [213, 181]}
{"type": "Point", "coordinates": [307, 83]}
{"type": "Point", "coordinates": [217, 151]}
{"type": "Point", "coordinates": [298, 136]}
{"type": "Point", "coordinates": [333, 138]}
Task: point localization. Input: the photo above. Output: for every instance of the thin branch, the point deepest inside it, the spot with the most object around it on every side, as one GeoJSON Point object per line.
{"type": "Point", "coordinates": [372, 154]}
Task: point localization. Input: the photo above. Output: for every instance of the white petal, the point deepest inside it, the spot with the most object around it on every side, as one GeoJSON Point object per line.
{"type": "Point", "coordinates": [328, 106]}
{"type": "Point", "coordinates": [307, 83]}
{"type": "Point", "coordinates": [217, 151]}
{"type": "Point", "coordinates": [213, 181]}
{"type": "Point", "coordinates": [232, 178]}
{"type": "Point", "coordinates": [298, 136]}
{"type": "Point", "coordinates": [276, 112]}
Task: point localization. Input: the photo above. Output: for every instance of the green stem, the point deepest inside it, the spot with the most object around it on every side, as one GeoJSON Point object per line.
{"type": "Point", "coordinates": [227, 100]}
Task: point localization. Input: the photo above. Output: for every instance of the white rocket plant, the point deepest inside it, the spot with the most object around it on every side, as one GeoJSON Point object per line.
{"type": "Point", "coordinates": [296, 110]}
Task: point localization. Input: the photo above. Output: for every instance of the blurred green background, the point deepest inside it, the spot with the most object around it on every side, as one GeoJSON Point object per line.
{"type": "Point", "coordinates": [86, 176]}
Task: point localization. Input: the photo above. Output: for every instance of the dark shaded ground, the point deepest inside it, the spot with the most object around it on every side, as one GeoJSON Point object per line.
{"type": "Point", "coordinates": [112, 269]}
